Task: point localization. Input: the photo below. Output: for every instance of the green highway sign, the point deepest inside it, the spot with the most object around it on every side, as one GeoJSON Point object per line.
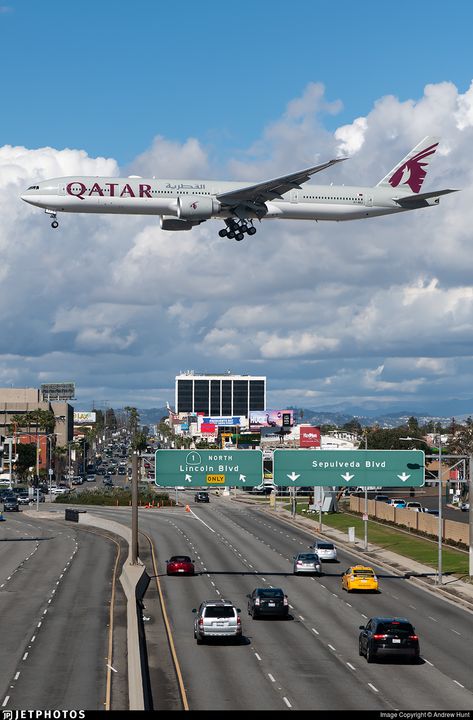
{"type": "Point", "coordinates": [209, 468]}
{"type": "Point", "coordinates": [349, 468]}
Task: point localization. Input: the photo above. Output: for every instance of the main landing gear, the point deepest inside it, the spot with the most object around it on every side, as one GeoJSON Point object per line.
{"type": "Point", "coordinates": [237, 229]}
{"type": "Point", "coordinates": [53, 216]}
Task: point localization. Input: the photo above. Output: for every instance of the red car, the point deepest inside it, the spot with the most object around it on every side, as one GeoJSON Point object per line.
{"type": "Point", "coordinates": [180, 565]}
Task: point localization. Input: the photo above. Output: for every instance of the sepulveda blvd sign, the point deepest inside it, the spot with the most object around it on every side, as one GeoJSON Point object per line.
{"type": "Point", "coordinates": [349, 468]}
{"type": "Point", "coordinates": [209, 468]}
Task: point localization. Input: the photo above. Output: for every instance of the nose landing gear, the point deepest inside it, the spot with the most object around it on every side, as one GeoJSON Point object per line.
{"type": "Point", "coordinates": [52, 215]}
{"type": "Point", "coordinates": [236, 230]}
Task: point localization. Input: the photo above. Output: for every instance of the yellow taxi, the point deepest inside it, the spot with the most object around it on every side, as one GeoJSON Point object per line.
{"type": "Point", "coordinates": [359, 577]}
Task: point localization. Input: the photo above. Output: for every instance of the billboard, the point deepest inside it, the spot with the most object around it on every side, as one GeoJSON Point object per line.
{"type": "Point", "coordinates": [223, 421]}
{"type": "Point", "coordinates": [58, 391]}
{"type": "Point", "coordinates": [271, 418]}
{"type": "Point", "coordinates": [309, 436]}
{"type": "Point", "coordinates": [208, 428]}
{"type": "Point", "coordinates": [81, 418]}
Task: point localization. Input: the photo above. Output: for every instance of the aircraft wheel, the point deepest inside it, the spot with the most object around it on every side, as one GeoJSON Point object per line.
{"type": "Point", "coordinates": [54, 224]}
{"type": "Point", "coordinates": [251, 231]}
{"type": "Point", "coordinates": [222, 232]}
{"type": "Point", "coordinates": [239, 236]}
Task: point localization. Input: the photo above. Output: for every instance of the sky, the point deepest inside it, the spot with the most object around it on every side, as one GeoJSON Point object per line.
{"type": "Point", "coordinates": [374, 314]}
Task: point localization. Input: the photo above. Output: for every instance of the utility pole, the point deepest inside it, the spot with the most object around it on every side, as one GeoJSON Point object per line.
{"type": "Point", "coordinates": [470, 513]}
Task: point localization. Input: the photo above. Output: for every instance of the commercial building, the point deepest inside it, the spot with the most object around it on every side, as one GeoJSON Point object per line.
{"type": "Point", "coordinates": [224, 395]}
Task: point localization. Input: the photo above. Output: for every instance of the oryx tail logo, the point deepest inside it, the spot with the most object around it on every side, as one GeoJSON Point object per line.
{"type": "Point", "coordinates": [194, 205]}
{"type": "Point", "coordinates": [412, 172]}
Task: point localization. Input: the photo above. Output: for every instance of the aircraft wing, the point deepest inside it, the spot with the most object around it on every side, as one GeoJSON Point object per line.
{"type": "Point", "coordinates": [254, 196]}
{"type": "Point", "coordinates": [420, 198]}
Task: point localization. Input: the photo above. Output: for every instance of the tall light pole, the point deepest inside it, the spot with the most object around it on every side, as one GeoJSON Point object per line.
{"type": "Point", "coordinates": [440, 526]}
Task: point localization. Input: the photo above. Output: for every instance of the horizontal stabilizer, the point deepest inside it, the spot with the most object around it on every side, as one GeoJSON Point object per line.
{"type": "Point", "coordinates": [420, 198]}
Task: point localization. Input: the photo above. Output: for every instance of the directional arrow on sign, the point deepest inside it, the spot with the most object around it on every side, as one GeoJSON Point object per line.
{"type": "Point", "coordinates": [243, 478]}
{"type": "Point", "coordinates": [347, 477]}
{"type": "Point", "coordinates": [293, 476]}
{"type": "Point", "coordinates": [189, 478]}
{"type": "Point", "coordinates": [403, 477]}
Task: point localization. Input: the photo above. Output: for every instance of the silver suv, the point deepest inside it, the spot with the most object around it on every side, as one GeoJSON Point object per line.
{"type": "Point", "coordinates": [217, 619]}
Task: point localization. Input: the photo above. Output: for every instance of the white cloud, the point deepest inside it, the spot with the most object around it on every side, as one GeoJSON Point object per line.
{"type": "Point", "coordinates": [376, 311]}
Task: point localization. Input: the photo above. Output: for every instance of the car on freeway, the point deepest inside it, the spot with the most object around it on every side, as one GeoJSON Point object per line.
{"type": "Point", "coordinates": [388, 636]}
{"type": "Point", "coordinates": [360, 577]}
{"type": "Point", "coordinates": [202, 496]}
{"type": "Point", "coordinates": [382, 498]}
{"type": "Point", "coordinates": [10, 503]}
{"type": "Point", "coordinates": [217, 619]}
{"type": "Point", "coordinates": [414, 505]}
{"type": "Point", "coordinates": [398, 502]}
{"type": "Point", "coordinates": [326, 551]}
{"type": "Point", "coordinates": [268, 601]}
{"type": "Point", "coordinates": [307, 563]}
{"type": "Point", "coordinates": [180, 565]}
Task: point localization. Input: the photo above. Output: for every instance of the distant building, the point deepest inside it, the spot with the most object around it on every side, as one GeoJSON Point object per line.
{"type": "Point", "coordinates": [222, 395]}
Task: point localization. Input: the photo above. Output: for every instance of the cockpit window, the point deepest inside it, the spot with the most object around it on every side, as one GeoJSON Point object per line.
{"type": "Point", "coordinates": [34, 187]}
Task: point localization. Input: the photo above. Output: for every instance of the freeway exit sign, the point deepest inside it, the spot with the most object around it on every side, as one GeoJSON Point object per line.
{"type": "Point", "coordinates": [209, 468]}
{"type": "Point", "coordinates": [349, 468]}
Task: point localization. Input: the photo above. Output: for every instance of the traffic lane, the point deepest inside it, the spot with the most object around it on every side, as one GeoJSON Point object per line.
{"type": "Point", "coordinates": [22, 598]}
{"type": "Point", "coordinates": [284, 655]}
{"type": "Point", "coordinates": [18, 540]}
{"type": "Point", "coordinates": [62, 665]}
{"type": "Point", "coordinates": [236, 677]}
{"type": "Point", "coordinates": [446, 641]}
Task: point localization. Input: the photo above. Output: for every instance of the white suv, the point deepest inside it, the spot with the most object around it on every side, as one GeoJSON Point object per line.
{"type": "Point", "coordinates": [218, 619]}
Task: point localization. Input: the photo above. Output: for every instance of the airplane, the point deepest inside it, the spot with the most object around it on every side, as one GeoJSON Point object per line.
{"type": "Point", "coordinates": [184, 204]}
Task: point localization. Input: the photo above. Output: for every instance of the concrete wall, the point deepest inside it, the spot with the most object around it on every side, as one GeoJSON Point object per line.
{"type": "Point", "coordinates": [423, 522]}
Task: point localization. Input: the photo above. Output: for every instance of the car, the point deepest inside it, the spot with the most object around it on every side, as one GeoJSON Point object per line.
{"type": "Point", "coordinates": [217, 619]}
{"type": "Point", "coordinates": [360, 577]}
{"type": "Point", "coordinates": [10, 503]}
{"type": "Point", "coordinates": [180, 565]}
{"type": "Point", "coordinates": [101, 470]}
{"type": "Point", "coordinates": [122, 470]}
{"type": "Point", "coordinates": [465, 506]}
{"type": "Point", "coordinates": [108, 481]}
{"type": "Point", "coordinates": [388, 636]}
{"type": "Point", "coordinates": [307, 563]}
{"type": "Point", "coordinates": [24, 498]}
{"type": "Point", "coordinates": [382, 498]}
{"type": "Point", "coordinates": [416, 506]}
{"type": "Point", "coordinates": [36, 497]}
{"type": "Point", "coordinates": [77, 480]}
{"type": "Point", "coordinates": [326, 551]}
{"type": "Point", "coordinates": [268, 601]}
{"type": "Point", "coordinates": [202, 496]}
{"type": "Point", "coordinates": [90, 478]}
{"type": "Point", "coordinates": [59, 489]}
{"type": "Point", "coordinates": [398, 503]}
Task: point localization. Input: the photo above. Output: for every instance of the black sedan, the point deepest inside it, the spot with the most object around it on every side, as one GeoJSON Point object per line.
{"type": "Point", "coordinates": [268, 601]}
{"type": "Point", "coordinates": [388, 636]}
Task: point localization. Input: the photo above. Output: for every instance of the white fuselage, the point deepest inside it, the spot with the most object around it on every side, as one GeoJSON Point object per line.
{"type": "Point", "coordinates": [151, 196]}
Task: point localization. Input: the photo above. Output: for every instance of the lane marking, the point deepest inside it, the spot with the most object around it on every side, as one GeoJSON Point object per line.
{"type": "Point", "coordinates": [332, 648]}
{"type": "Point", "coordinates": [316, 631]}
{"type": "Point", "coordinates": [7, 698]}
{"type": "Point", "coordinates": [287, 702]}
{"type": "Point", "coordinates": [351, 666]}
{"type": "Point", "coordinates": [271, 677]}
{"type": "Point", "coordinates": [373, 687]}
{"type": "Point", "coordinates": [456, 681]}
{"type": "Point", "coordinates": [25, 656]}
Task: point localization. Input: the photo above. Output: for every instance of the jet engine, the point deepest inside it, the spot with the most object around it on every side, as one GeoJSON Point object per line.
{"type": "Point", "coordinates": [197, 208]}
{"type": "Point", "coordinates": [168, 222]}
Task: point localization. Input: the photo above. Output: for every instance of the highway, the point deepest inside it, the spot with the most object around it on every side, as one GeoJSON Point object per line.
{"type": "Point", "coordinates": [55, 598]}
{"type": "Point", "coordinates": [55, 594]}
{"type": "Point", "coordinates": [311, 661]}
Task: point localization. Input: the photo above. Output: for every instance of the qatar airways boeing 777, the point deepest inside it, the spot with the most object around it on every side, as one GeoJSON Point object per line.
{"type": "Point", "coordinates": [183, 204]}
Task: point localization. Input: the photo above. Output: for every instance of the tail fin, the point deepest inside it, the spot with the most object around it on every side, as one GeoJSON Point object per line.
{"type": "Point", "coordinates": [410, 172]}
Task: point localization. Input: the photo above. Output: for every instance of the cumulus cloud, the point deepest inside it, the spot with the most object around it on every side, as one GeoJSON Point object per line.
{"type": "Point", "coordinates": [369, 312]}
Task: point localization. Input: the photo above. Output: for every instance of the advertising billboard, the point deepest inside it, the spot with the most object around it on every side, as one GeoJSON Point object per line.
{"type": "Point", "coordinates": [223, 421]}
{"type": "Point", "coordinates": [271, 418]}
{"type": "Point", "coordinates": [208, 428]}
{"type": "Point", "coordinates": [309, 436]}
{"type": "Point", "coordinates": [58, 392]}
{"type": "Point", "coordinates": [84, 417]}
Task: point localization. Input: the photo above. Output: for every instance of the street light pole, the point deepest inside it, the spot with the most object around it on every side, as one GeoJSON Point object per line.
{"type": "Point", "coordinates": [440, 525]}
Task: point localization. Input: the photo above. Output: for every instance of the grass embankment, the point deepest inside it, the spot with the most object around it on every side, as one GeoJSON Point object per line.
{"type": "Point", "coordinates": [397, 541]}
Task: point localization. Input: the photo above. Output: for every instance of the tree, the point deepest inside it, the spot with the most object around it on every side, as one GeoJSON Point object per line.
{"type": "Point", "coordinates": [26, 459]}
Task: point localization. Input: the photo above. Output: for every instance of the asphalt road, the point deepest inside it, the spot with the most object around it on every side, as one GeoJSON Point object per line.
{"type": "Point", "coordinates": [311, 661]}
{"type": "Point", "coordinates": [55, 591]}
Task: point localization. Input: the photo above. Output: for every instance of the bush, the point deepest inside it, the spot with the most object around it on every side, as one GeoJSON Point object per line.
{"type": "Point", "coordinates": [112, 496]}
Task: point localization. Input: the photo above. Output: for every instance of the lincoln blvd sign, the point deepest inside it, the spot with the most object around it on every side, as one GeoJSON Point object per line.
{"type": "Point", "coordinates": [209, 468]}
{"type": "Point", "coordinates": [349, 468]}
